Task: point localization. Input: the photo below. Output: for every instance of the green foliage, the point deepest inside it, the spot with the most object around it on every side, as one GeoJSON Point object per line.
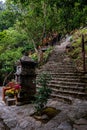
{"type": "Point", "coordinates": [43, 93]}
{"type": "Point", "coordinates": [8, 60]}
{"type": "Point", "coordinates": [34, 56]}
{"type": "Point", "coordinates": [10, 38]}
{"type": "Point", "coordinates": [10, 49]}
{"type": "Point", "coordinates": [76, 53]}
{"type": "Point", "coordinates": [42, 16]}
{"type": "Point", "coordinates": [27, 21]}
{"type": "Point", "coordinates": [47, 54]}
{"type": "Point", "coordinates": [64, 15]}
{"type": "Point", "coordinates": [7, 18]}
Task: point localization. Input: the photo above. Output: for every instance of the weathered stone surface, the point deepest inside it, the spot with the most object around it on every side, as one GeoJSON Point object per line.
{"type": "Point", "coordinates": [21, 116]}
{"type": "Point", "coordinates": [65, 126]}
{"type": "Point", "coordinates": [53, 103]}
{"type": "Point", "coordinates": [16, 128]}
{"type": "Point", "coordinates": [77, 110]}
{"type": "Point", "coordinates": [81, 121]}
{"type": "Point", "coordinates": [11, 123]}
{"type": "Point", "coordinates": [45, 117]}
{"type": "Point", "coordinates": [80, 127]}
{"type": "Point", "coordinates": [18, 118]}
{"type": "Point", "coordinates": [74, 128]}
{"type": "Point", "coordinates": [24, 124]}
{"type": "Point", "coordinates": [2, 127]}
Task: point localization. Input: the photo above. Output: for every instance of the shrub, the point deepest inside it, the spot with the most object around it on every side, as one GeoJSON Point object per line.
{"type": "Point", "coordinates": [43, 93]}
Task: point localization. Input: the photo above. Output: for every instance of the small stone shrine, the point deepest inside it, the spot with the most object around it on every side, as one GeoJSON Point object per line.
{"type": "Point", "coordinates": [26, 76]}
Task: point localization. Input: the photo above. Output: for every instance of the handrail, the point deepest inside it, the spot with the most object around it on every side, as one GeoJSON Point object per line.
{"type": "Point", "coordinates": [83, 54]}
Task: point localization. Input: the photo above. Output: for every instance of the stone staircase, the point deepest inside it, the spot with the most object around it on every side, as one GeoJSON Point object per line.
{"type": "Point", "coordinates": [67, 83]}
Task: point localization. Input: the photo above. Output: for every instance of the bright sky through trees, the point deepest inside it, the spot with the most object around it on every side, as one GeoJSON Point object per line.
{"type": "Point", "coordinates": [2, 0]}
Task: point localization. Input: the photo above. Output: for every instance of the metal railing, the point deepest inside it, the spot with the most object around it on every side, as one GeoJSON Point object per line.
{"type": "Point", "coordinates": [83, 54]}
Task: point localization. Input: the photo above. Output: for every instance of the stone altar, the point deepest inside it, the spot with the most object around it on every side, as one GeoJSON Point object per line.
{"type": "Point", "coordinates": [26, 77]}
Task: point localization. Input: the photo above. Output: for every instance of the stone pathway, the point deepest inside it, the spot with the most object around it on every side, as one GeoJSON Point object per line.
{"type": "Point", "coordinates": [71, 117]}
{"type": "Point", "coordinates": [67, 83]}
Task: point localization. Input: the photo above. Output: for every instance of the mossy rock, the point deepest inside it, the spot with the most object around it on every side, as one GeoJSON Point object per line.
{"type": "Point", "coordinates": [46, 114]}
{"type": "Point", "coordinates": [50, 111]}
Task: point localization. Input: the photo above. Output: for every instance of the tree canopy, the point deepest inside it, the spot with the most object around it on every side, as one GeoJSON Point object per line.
{"type": "Point", "coordinates": [24, 23]}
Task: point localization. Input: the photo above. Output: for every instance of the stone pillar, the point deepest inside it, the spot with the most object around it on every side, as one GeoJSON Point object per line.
{"type": "Point", "coordinates": [27, 80]}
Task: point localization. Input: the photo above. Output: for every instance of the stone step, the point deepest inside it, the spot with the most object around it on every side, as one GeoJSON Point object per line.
{"type": "Point", "coordinates": [54, 82]}
{"type": "Point", "coordinates": [59, 65]}
{"type": "Point", "coordinates": [74, 88]}
{"type": "Point", "coordinates": [57, 71]}
{"type": "Point", "coordinates": [66, 84]}
{"type": "Point", "coordinates": [65, 74]}
{"type": "Point", "coordinates": [62, 98]}
{"type": "Point", "coordinates": [67, 78]}
{"type": "Point", "coordinates": [70, 78]}
{"type": "Point", "coordinates": [61, 74]}
{"type": "Point", "coordinates": [73, 91]}
{"type": "Point", "coordinates": [74, 79]}
{"type": "Point", "coordinates": [53, 68]}
{"type": "Point", "coordinates": [64, 60]}
{"type": "Point", "coordinates": [75, 94]}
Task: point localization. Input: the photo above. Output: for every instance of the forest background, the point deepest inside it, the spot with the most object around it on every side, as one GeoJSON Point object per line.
{"type": "Point", "coordinates": [24, 23]}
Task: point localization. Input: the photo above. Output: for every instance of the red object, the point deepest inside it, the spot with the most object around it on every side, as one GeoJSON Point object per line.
{"type": "Point", "coordinates": [10, 85]}
{"type": "Point", "coordinates": [17, 86]}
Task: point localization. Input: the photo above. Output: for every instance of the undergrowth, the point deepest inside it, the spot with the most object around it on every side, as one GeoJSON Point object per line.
{"type": "Point", "coordinates": [76, 53]}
